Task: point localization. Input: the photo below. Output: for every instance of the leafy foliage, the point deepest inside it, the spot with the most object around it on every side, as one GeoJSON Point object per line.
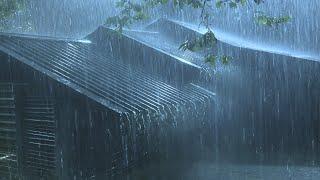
{"type": "Point", "coordinates": [212, 59]}
{"type": "Point", "coordinates": [225, 59]}
{"type": "Point", "coordinates": [231, 3]}
{"type": "Point", "coordinates": [206, 41]}
{"type": "Point", "coordinates": [131, 12]}
{"type": "Point", "coordinates": [8, 8]}
{"type": "Point", "coordinates": [263, 19]}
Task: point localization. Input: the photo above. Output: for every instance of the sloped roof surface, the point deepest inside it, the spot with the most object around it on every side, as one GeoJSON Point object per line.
{"type": "Point", "coordinates": [97, 76]}
{"type": "Point", "coordinates": [178, 31]}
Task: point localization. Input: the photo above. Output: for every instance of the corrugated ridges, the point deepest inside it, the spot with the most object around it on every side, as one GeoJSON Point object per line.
{"type": "Point", "coordinates": [102, 78]}
{"type": "Point", "coordinates": [8, 130]}
{"type": "Point", "coordinates": [39, 136]}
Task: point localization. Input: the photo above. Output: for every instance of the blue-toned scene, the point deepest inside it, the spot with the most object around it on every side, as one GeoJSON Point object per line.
{"type": "Point", "coordinates": [159, 90]}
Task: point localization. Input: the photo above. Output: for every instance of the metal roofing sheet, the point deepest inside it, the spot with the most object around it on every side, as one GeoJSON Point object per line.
{"type": "Point", "coordinates": [104, 79]}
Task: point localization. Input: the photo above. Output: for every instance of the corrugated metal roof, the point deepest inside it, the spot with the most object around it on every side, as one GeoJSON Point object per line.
{"type": "Point", "coordinates": [104, 79]}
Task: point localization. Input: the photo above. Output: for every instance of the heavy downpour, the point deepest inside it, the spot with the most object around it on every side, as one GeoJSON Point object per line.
{"type": "Point", "coordinates": [159, 90]}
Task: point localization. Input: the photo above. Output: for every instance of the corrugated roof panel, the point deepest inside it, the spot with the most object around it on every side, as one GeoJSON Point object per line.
{"type": "Point", "coordinates": [104, 79]}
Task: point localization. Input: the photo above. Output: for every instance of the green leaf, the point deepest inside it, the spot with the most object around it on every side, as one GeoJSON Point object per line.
{"type": "Point", "coordinates": [175, 2]}
{"type": "Point", "coordinates": [283, 19]}
{"type": "Point", "coordinates": [120, 3]}
{"type": "Point", "coordinates": [184, 46]}
{"type": "Point", "coordinates": [209, 39]}
{"type": "Point", "coordinates": [271, 21]}
{"type": "Point", "coordinates": [232, 4]}
{"type": "Point", "coordinates": [262, 20]}
{"type": "Point", "coordinates": [258, 1]}
{"type": "Point", "coordinates": [211, 59]}
{"type": "Point", "coordinates": [196, 4]}
{"type": "Point", "coordinates": [140, 16]}
{"type": "Point", "coordinates": [137, 7]}
{"type": "Point", "coordinates": [225, 59]}
{"type": "Point", "coordinates": [219, 3]}
{"type": "Point", "coordinates": [164, 1]}
{"type": "Point", "coordinates": [243, 2]}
